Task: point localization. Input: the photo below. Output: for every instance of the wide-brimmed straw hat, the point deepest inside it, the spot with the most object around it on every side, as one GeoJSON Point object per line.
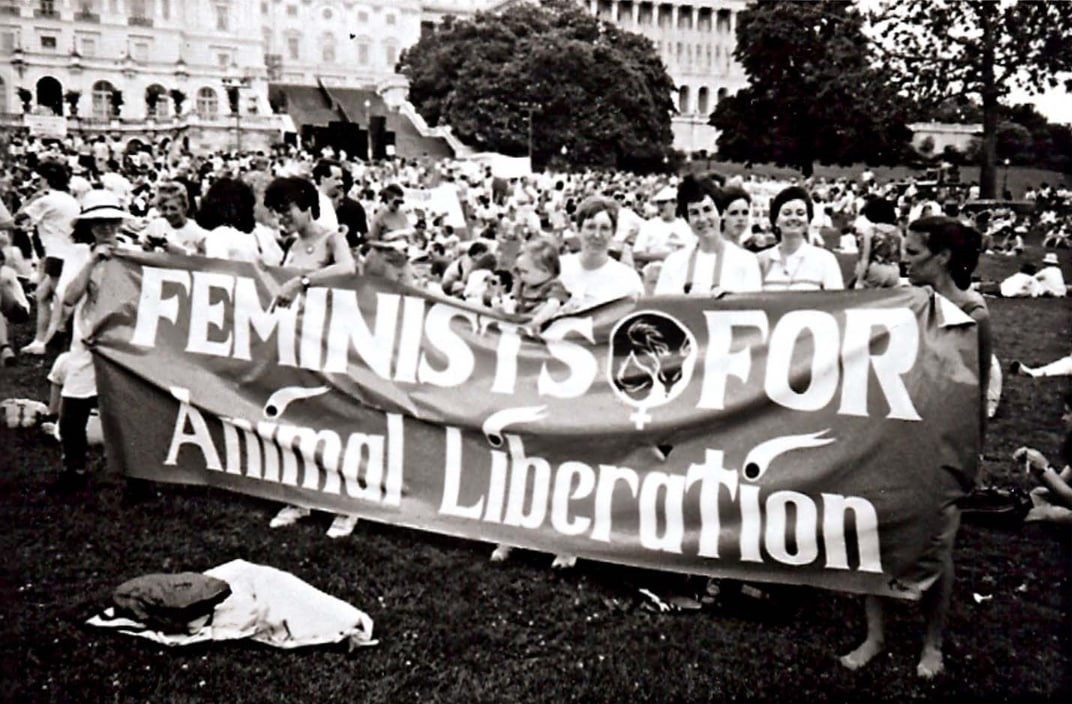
{"type": "Point", "coordinates": [102, 205]}
{"type": "Point", "coordinates": [1050, 258]}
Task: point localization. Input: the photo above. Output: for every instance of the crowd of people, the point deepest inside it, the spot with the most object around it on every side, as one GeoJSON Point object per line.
{"type": "Point", "coordinates": [533, 246]}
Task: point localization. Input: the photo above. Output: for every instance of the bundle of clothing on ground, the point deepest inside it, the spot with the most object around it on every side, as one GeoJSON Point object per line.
{"type": "Point", "coordinates": [235, 600]}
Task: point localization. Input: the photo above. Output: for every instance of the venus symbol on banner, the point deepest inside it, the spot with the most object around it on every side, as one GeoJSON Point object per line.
{"type": "Point", "coordinates": [658, 354]}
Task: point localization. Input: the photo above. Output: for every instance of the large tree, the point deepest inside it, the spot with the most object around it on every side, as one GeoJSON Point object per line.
{"type": "Point", "coordinates": [813, 94]}
{"type": "Point", "coordinates": [575, 81]}
{"type": "Point", "coordinates": [939, 49]}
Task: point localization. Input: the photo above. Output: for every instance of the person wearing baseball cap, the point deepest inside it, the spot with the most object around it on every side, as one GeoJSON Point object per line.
{"type": "Point", "coordinates": [664, 233]}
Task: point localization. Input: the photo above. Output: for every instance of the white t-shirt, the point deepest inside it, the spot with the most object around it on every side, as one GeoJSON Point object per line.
{"type": "Point", "coordinates": [53, 215]}
{"type": "Point", "coordinates": [1051, 282]}
{"type": "Point", "coordinates": [657, 236]}
{"type": "Point", "coordinates": [190, 236]}
{"type": "Point", "coordinates": [810, 268]}
{"type": "Point", "coordinates": [226, 242]}
{"type": "Point", "coordinates": [327, 218]}
{"type": "Point", "coordinates": [590, 287]}
{"type": "Point", "coordinates": [740, 272]}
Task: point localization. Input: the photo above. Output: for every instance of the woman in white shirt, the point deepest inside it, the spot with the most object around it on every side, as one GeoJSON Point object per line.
{"type": "Point", "coordinates": [592, 276]}
{"type": "Point", "coordinates": [173, 231]}
{"type": "Point", "coordinates": [793, 264]}
{"type": "Point", "coordinates": [712, 265]}
{"type": "Point", "coordinates": [227, 214]}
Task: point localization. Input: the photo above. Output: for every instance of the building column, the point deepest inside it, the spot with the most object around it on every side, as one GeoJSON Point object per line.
{"type": "Point", "coordinates": [636, 13]}
{"type": "Point", "coordinates": [673, 17]}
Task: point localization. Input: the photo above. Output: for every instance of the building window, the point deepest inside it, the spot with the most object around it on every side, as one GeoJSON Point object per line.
{"type": "Point", "coordinates": [390, 19]}
{"type": "Point", "coordinates": [223, 17]}
{"type": "Point", "coordinates": [292, 10]}
{"type": "Point", "coordinates": [139, 9]}
{"type": "Point", "coordinates": [683, 100]}
{"type": "Point", "coordinates": [327, 13]}
{"type": "Point", "coordinates": [327, 48]}
{"type": "Point", "coordinates": [48, 43]}
{"type": "Point", "coordinates": [207, 103]}
{"type": "Point", "coordinates": [89, 46]}
{"type": "Point", "coordinates": [139, 51]}
{"type": "Point", "coordinates": [223, 59]}
{"type": "Point", "coordinates": [392, 55]}
{"type": "Point", "coordinates": [362, 53]}
{"type": "Point", "coordinates": [7, 41]}
{"type": "Point", "coordinates": [46, 8]}
{"type": "Point", "coordinates": [102, 100]}
{"type": "Point", "coordinates": [266, 35]}
{"type": "Point", "coordinates": [701, 100]}
{"type": "Point", "coordinates": [293, 48]}
{"type": "Point", "coordinates": [165, 9]}
{"type": "Point", "coordinates": [362, 16]}
{"type": "Point", "coordinates": [264, 8]}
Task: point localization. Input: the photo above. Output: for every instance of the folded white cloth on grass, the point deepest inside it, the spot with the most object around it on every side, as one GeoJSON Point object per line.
{"type": "Point", "coordinates": [267, 605]}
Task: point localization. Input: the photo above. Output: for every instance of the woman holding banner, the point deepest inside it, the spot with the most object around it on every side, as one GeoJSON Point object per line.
{"type": "Point", "coordinates": [592, 276]}
{"type": "Point", "coordinates": [793, 264]}
{"type": "Point", "coordinates": [941, 253]}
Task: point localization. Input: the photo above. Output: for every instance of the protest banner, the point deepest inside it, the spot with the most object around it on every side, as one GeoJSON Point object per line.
{"type": "Point", "coordinates": [810, 438]}
{"type": "Point", "coordinates": [46, 125]}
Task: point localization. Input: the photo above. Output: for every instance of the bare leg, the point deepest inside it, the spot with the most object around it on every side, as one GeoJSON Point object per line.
{"type": "Point", "coordinates": [875, 642]}
{"type": "Point", "coordinates": [935, 605]}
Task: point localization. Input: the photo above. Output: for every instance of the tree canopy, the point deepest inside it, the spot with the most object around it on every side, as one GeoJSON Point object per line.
{"type": "Point", "coordinates": [813, 94]}
{"type": "Point", "coordinates": [601, 93]}
{"type": "Point", "coordinates": [935, 50]}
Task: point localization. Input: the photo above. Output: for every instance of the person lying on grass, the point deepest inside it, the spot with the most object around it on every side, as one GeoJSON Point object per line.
{"type": "Point", "coordinates": [1052, 501]}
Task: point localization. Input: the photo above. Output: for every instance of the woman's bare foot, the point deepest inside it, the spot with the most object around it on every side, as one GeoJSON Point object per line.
{"type": "Point", "coordinates": [863, 654]}
{"type": "Point", "coordinates": [930, 663]}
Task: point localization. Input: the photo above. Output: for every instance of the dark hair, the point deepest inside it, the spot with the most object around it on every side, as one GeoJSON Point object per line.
{"type": "Point", "coordinates": [962, 242]}
{"type": "Point", "coordinates": [594, 205]}
{"type": "Point", "coordinates": [787, 194]}
{"type": "Point", "coordinates": [229, 202]}
{"type": "Point", "coordinates": [693, 190]}
{"type": "Point", "coordinates": [476, 249]}
{"type": "Point", "coordinates": [391, 191]}
{"type": "Point", "coordinates": [730, 194]}
{"type": "Point", "coordinates": [323, 168]}
{"type": "Point", "coordinates": [506, 278]}
{"type": "Point", "coordinates": [879, 211]}
{"type": "Point", "coordinates": [56, 175]}
{"type": "Point", "coordinates": [283, 191]}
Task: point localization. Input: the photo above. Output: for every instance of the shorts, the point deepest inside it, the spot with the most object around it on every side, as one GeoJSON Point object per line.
{"type": "Point", "coordinates": [53, 267]}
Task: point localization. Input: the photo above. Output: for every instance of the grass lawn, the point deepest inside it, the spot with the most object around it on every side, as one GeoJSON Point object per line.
{"type": "Point", "coordinates": [455, 628]}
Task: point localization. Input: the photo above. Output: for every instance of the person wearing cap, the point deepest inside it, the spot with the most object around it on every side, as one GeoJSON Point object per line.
{"type": "Point", "coordinates": [713, 265]}
{"type": "Point", "coordinates": [97, 225]}
{"type": "Point", "coordinates": [793, 264]}
{"type": "Point", "coordinates": [664, 233]}
{"type": "Point", "coordinates": [52, 213]}
{"type": "Point", "coordinates": [1050, 278]}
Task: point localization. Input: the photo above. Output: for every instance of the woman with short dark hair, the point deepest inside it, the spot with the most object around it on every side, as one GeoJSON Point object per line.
{"type": "Point", "coordinates": [940, 253]}
{"type": "Point", "coordinates": [794, 264]}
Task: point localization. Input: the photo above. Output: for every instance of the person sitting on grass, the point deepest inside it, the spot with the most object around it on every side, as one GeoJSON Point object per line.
{"type": "Point", "coordinates": [1052, 501]}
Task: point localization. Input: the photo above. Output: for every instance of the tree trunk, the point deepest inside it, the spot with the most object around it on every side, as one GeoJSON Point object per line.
{"type": "Point", "coordinates": [988, 154]}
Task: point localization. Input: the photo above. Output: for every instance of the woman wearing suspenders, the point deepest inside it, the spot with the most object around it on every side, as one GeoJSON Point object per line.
{"type": "Point", "coordinates": [714, 265]}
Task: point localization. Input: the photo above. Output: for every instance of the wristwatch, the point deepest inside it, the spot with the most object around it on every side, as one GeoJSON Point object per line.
{"type": "Point", "coordinates": [304, 283]}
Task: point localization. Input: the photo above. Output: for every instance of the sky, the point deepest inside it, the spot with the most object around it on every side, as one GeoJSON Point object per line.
{"type": "Point", "coordinates": [1056, 105]}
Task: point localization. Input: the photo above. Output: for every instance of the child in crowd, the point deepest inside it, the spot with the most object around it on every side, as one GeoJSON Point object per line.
{"type": "Point", "coordinates": [538, 291]}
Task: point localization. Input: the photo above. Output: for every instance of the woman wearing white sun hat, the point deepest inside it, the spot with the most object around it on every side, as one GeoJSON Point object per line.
{"type": "Point", "coordinates": [97, 225]}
